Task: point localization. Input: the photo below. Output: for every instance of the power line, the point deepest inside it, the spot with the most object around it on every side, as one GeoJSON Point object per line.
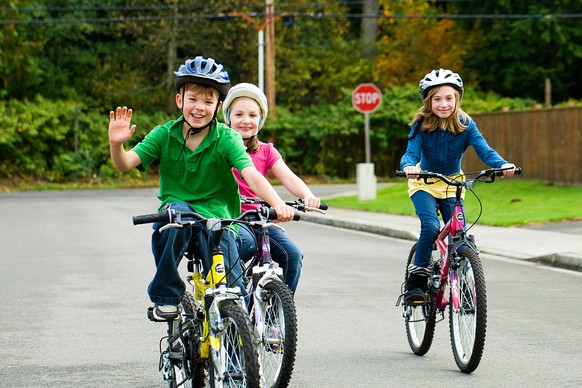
{"type": "Point", "coordinates": [310, 15]}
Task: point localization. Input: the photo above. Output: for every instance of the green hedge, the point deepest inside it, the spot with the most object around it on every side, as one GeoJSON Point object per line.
{"type": "Point", "coordinates": [66, 140]}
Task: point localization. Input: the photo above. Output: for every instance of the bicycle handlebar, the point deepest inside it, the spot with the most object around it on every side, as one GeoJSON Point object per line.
{"type": "Point", "coordinates": [297, 204]}
{"type": "Point", "coordinates": [175, 216]}
{"type": "Point", "coordinates": [163, 216]}
{"type": "Point", "coordinates": [490, 173]}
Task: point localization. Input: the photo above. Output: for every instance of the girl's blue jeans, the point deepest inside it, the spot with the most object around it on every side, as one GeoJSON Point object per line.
{"type": "Point", "coordinates": [283, 251]}
{"type": "Point", "coordinates": [426, 210]}
{"type": "Point", "coordinates": [168, 247]}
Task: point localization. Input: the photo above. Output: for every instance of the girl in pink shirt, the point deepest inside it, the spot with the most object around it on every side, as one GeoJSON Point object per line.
{"type": "Point", "coordinates": [245, 110]}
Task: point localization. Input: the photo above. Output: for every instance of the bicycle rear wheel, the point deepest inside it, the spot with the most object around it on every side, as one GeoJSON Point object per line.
{"type": "Point", "coordinates": [278, 340]}
{"type": "Point", "coordinates": [173, 362]}
{"type": "Point", "coordinates": [419, 320]}
{"type": "Point", "coordinates": [468, 322]}
{"type": "Point", "coordinates": [234, 357]}
{"type": "Point", "coordinates": [196, 366]}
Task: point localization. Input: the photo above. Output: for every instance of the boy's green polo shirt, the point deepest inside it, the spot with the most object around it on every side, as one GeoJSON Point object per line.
{"type": "Point", "coordinates": [202, 177]}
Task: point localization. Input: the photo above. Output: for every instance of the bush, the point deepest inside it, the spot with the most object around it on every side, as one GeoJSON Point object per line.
{"type": "Point", "coordinates": [65, 140]}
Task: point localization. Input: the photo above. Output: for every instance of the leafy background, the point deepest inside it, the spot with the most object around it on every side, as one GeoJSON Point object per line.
{"type": "Point", "coordinates": [65, 64]}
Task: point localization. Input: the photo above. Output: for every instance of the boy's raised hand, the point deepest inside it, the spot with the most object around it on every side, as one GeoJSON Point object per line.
{"type": "Point", "coordinates": [120, 130]}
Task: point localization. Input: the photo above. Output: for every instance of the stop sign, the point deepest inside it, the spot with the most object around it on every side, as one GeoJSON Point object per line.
{"type": "Point", "coordinates": [366, 98]}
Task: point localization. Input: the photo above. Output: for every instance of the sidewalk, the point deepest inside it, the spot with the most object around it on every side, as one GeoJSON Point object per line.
{"type": "Point", "coordinates": [551, 248]}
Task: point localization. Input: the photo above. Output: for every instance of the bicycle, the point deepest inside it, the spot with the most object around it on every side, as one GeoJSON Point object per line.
{"type": "Point", "coordinates": [271, 306]}
{"type": "Point", "coordinates": [457, 281]}
{"type": "Point", "coordinates": [212, 336]}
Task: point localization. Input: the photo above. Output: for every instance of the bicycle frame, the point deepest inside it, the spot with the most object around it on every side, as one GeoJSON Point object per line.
{"type": "Point", "coordinates": [447, 243]}
{"type": "Point", "coordinates": [263, 269]}
{"type": "Point", "coordinates": [212, 292]}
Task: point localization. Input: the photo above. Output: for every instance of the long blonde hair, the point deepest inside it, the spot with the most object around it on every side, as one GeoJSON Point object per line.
{"type": "Point", "coordinates": [430, 122]}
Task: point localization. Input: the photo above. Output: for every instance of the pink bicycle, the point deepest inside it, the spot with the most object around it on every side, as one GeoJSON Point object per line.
{"type": "Point", "coordinates": [457, 281]}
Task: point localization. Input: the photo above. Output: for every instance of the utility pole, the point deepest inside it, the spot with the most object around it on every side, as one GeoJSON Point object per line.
{"type": "Point", "coordinates": [270, 55]}
{"type": "Point", "coordinates": [171, 58]}
{"type": "Point", "coordinates": [369, 28]}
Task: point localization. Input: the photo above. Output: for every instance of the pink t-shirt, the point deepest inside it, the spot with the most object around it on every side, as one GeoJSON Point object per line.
{"type": "Point", "coordinates": [263, 159]}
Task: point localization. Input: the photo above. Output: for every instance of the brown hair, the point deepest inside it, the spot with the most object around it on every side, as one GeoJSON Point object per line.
{"type": "Point", "coordinates": [253, 145]}
{"type": "Point", "coordinates": [209, 91]}
{"type": "Point", "coordinates": [430, 121]}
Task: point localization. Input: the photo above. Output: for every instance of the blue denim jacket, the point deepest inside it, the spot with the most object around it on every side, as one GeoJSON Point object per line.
{"type": "Point", "coordinates": [442, 151]}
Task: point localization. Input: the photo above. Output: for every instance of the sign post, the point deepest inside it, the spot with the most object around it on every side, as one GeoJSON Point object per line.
{"type": "Point", "coordinates": [366, 98]}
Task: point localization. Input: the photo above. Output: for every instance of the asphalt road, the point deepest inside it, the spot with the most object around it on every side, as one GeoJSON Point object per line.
{"type": "Point", "coordinates": [73, 279]}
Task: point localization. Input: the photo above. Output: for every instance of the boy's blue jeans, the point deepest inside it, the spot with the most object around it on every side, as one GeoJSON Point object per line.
{"type": "Point", "coordinates": [425, 205]}
{"type": "Point", "coordinates": [168, 247]}
{"type": "Point", "coordinates": [283, 251]}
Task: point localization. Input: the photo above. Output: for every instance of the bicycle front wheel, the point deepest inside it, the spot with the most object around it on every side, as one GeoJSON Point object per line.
{"type": "Point", "coordinates": [234, 356]}
{"type": "Point", "coordinates": [278, 340]}
{"type": "Point", "coordinates": [420, 320]}
{"type": "Point", "coordinates": [468, 320]}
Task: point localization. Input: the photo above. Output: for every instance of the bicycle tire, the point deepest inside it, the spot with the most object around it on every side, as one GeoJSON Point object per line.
{"type": "Point", "coordinates": [235, 361]}
{"type": "Point", "coordinates": [197, 366]}
{"type": "Point", "coordinates": [177, 369]}
{"type": "Point", "coordinates": [420, 321]}
{"type": "Point", "coordinates": [468, 325]}
{"type": "Point", "coordinates": [278, 341]}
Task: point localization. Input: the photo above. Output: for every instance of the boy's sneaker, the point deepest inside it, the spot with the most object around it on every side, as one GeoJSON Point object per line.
{"type": "Point", "coordinates": [415, 289]}
{"type": "Point", "coordinates": [166, 311]}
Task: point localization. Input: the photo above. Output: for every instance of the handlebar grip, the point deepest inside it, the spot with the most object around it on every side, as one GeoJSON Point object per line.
{"type": "Point", "coordinates": [400, 174]}
{"type": "Point", "coordinates": [323, 206]}
{"type": "Point", "coordinates": [517, 172]}
{"type": "Point", "coordinates": [151, 218]}
{"type": "Point", "coordinates": [272, 215]}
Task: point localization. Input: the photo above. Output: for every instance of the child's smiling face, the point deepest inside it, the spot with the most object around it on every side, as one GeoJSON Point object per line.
{"type": "Point", "coordinates": [245, 117]}
{"type": "Point", "coordinates": [198, 105]}
{"type": "Point", "coordinates": [443, 102]}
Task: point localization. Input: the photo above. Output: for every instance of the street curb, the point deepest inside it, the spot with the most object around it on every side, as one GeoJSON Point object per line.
{"type": "Point", "coordinates": [563, 260]}
{"type": "Point", "coordinates": [362, 227]}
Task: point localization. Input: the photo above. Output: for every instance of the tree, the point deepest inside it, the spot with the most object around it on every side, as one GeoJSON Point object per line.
{"type": "Point", "coordinates": [517, 54]}
{"type": "Point", "coordinates": [409, 46]}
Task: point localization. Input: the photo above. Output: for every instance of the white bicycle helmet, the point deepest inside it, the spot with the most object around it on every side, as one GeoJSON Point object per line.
{"type": "Point", "coordinates": [203, 71]}
{"type": "Point", "coordinates": [245, 90]}
{"type": "Point", "coordinates": [440, 77]}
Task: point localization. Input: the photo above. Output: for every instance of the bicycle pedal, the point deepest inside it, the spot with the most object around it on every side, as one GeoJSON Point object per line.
{"type": "Point", "coordinates": [416, 302]}
{"type": "Point", "coordinates": [152, 317]}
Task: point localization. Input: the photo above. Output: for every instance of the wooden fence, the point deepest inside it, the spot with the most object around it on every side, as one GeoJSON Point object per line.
{"type": "Point", "coordinates": [546, 143]}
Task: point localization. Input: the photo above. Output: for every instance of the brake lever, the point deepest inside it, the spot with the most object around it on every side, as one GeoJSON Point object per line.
{"type": "Point", "coordinates": [171, 225]}
{"type": "Point", "coordinates": [272, 225]}
{"type": "Point", "coordinates": [314, 209]}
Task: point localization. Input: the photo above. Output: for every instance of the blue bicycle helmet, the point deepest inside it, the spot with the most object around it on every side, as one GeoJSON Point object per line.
{"type": "Point", "coordinates": [438, 78]}
{"type": "Point", "coordinates": [205, 71]}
